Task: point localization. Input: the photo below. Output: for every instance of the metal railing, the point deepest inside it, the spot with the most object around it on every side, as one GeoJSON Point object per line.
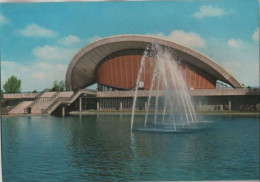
{"type": "Point", "coordinates": [45, 111]}
{"type": "Point", "coordinates": [53, 100]}
{"type": "Point", "coordinates": [37, 98]}
{"type": "Point", "coordinates": [10, 108]}
{"type": "Point", "coordinates": [89, 91]}
{"type": "Point", "coordinates": [59, 100]}
{"type": "Point", "coordinates": [68, 100]}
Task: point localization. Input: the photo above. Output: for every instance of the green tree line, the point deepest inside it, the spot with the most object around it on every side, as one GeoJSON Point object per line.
{"type": "Point", "coordinates": [13, 85]}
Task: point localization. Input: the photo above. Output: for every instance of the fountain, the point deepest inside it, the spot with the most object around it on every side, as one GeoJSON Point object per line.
{"type": "Point", "coordinates": [169, 106]}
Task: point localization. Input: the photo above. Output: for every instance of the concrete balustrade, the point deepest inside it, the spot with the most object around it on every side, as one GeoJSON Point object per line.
{"type": "Point", "coordinates": [201, 92]}
{"type": "Point", "coordinates": [50, 101]}
{"type": "Point", "coordinates": [20, 96]}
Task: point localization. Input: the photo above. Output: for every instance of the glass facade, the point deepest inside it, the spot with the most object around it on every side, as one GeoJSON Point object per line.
{"type": "Point", "coordinates": [89, 103]}
{"type": "Point", "coordinates": [237, 103]}
{"type": "Point", "coordinates": [108, 88]}
{"type": "Point", "coordinates": [110, 103]}
{"type": "Point", "coordinates": [124, 103]}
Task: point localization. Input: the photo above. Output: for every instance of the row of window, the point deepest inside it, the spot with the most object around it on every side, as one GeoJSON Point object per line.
{"type": "Point", "coordinates": [108, 88]}
{"type": "Point", "coordinates": [127, 103]}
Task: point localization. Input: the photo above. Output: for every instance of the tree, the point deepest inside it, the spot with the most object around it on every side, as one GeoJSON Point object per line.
{"type": "Point", "coordinates": [62, 85]}
{"type": "Point", "coordinates": [3, 104]}
{"type": "Point", "coordinates": [2, 94]}
{"type": "Point", "coordinates": [34, 91]}
{"type": "Point", "coordinates": [12, 85]}
{"type": "Point", "coordinates": [58, 86]}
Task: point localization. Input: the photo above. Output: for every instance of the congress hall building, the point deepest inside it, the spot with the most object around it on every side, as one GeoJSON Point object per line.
{"type": "Point", "coordinates": [113, 64]}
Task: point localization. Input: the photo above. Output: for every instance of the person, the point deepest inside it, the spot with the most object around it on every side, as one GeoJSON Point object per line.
{"type": "Point", "coordinates": [29, 110]}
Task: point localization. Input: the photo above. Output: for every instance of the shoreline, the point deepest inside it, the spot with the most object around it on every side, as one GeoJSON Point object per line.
{"type": "Point", "coordinates": [116, 112]}
{"type": "Point", "coordinates": [143, 112]}
{"type": "Point", "coordinates": [19, 115]}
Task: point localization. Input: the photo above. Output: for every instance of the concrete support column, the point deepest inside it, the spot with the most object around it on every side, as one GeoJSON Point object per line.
{"type": "Point", "coordinates": [229, 104]}
{"type": "Point", "coordinates": [199, 104]}
{"type": "Point", "coordinates": [80, 118]}
{"type": "Point", "coordinates": [80, 103]}
{"type": "Point", "coordinates": [98, 105]}
{"type": "Point", "coordinates": [63, 111]}
{"type": "Point", "coordinates": [121, 106]}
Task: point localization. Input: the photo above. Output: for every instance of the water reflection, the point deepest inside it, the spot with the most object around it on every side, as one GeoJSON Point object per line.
{"type": "Point", "coordinates": [97, 146]}
{"type": "Point", "coordinates": [102, 147]}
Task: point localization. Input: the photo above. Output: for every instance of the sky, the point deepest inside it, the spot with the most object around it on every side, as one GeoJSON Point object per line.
{"type": "Point", "coordinates": [38, 40]}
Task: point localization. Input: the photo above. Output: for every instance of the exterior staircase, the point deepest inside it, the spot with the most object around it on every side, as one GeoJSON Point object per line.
{"type": "Point", "coordinates": [68, 100]}
{"type": "Point", "coordinates": [19, 108]}
{"type": "Point", "coordinates": [43, 102]}
{"type": "Point", "coordinates": [47, 102]}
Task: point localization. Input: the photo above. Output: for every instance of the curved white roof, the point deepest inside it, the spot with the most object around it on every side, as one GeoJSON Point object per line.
{"type": "Point", "coordinates": [81, 70]}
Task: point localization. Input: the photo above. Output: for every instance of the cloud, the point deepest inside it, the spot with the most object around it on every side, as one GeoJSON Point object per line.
{"type": "Point", "coordinates": [34, 30]}
{"type": "Point", "coordinates": [93, 39]}
{"type": "Point", "coordinates": [243, 65]}
{"type": "Point", "coordinates": [235, 43]}
{"type": "Point", "coordinates": [231, 65]}
{"type": "Point", "coordinates": [255, 35]}
{"type": "Point", "coordinates": [36, 75]}
{"type": "Point", "coordinates": [69, 40]}
{"type": "Point", "coordinates": [44, 65]}
{"type": "Point", "coordinates": [8, 63]}
{"type": "Point", "coordinates": [48, 52]}
{"type": "Point", "coordinates": [49, 64]}
{"type": "Point", "coordinates": [62, 67]}
{"type": "Point", "coordinates": [209, 11]}
{"type": "Point", "coordinates": [189, 39]}
{"type": "Point", "coordinates": [3, 19]}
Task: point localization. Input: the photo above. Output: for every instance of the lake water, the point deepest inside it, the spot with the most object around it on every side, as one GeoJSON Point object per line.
{"type": "Point", "coordinates": [101, 147]}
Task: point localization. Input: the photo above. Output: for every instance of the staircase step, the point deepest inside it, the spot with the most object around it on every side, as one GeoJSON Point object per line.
{"type": "Point", "coordinates": [19, 109]}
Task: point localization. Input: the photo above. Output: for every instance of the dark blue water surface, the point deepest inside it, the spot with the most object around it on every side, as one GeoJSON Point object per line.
{"type": "Point", "coordinates": [101, 147]}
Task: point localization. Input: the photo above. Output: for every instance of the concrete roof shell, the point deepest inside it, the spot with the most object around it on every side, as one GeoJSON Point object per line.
{"type": "Point", "coordinates": [81, 70]}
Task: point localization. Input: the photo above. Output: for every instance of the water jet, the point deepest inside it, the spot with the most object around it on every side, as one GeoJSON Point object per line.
{"type": "Point", "coordinates": [168, 89]}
